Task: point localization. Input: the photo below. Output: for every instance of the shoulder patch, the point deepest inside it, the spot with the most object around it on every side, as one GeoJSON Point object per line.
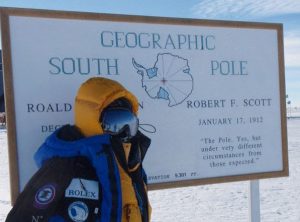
{"type": "Point", "coordinates": [44, 196]}
{"type": "Point", "coordinates": [78, 211]}
{"type": "Point", "coordinates": [81, 188]}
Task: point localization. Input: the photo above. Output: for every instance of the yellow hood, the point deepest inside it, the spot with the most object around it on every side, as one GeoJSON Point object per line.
{"type": "Point", "coordinates": [92, 97]}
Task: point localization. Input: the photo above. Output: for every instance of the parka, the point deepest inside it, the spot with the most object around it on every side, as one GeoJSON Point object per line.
{"type": "Point", "coordinates": [92, 98]}
{"type": "Point", "coordinates": [85, 174]}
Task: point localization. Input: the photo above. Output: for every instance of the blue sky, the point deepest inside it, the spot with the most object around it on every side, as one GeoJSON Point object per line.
{"type": "Point", "coordinates": [278, 11]}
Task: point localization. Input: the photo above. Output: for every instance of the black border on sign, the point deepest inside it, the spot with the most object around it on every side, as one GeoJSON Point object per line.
{"type": "Point", "coordinates": [9, 93]}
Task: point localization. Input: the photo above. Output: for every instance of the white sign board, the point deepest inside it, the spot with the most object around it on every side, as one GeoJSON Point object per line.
{"type": "Point", "coordinates": [214, 91]}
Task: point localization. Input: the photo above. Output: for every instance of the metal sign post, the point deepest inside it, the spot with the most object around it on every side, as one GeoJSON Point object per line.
{"type": "Point", "coordinates": [254, 201]}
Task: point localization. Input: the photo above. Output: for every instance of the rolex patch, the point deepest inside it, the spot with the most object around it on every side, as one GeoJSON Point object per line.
{"type": "Point", "coordinates": [81, 188]}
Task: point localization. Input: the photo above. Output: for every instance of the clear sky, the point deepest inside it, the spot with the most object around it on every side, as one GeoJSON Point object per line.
{"type": "Point", "coordinates": [278, 11]}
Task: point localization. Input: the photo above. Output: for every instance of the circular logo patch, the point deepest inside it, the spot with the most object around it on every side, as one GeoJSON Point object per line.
{"type": "Point", "coordinates": [78, 211]}
{"type": "Point", "coordinates": [44, 196]}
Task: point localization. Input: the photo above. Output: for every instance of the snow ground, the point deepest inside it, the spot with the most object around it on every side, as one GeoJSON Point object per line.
{"type": "Point", "coordinates": [228, 202]}
{"type": "Point", "coordinates": [4, 177]}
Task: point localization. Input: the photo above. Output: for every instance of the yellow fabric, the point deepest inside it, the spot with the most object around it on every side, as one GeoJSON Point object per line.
{"type": "Point", "coordinates": [130, 207]}
{"type": "Point", "coordinates": [127, 147]}
{"type": "Point", "coordinates": [92, 97]}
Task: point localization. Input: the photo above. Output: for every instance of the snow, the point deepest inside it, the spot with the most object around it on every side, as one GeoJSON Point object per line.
{"type": "Point", "coordinates": [4, 177]}
{"type": "Point", "coordinates": [227, 202]}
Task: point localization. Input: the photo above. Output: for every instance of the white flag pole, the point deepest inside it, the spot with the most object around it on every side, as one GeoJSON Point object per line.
{"type": "Point", "coordinates": [254, 201]}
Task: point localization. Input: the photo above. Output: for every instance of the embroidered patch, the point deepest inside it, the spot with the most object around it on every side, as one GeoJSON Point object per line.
{"type": "Point", "coordinates": [78, 211]}
{"type": "Point", "coordinates": [44, 196]}
{"type": "Point", "coordinates": [81, 188]}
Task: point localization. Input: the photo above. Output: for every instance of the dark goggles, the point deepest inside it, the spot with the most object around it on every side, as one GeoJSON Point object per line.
{"type": "Point", "coordinates": [119, 120]}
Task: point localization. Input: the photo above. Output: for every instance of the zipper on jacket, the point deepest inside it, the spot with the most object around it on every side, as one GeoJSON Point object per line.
{"type": "Point", "coordinates": [127, 212]}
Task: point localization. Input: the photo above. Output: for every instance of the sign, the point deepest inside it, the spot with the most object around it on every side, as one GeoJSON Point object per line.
{"type": "Point", "coordinates": [214, 91]}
